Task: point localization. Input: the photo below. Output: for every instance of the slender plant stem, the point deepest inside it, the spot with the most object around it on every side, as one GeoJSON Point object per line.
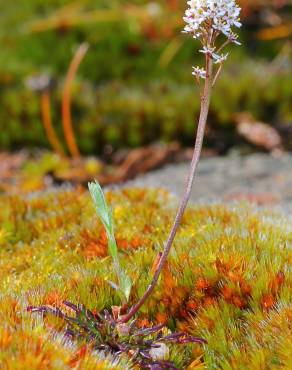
{"type": "Point", "coordinates": [47, 122]}
{"type": "Point", "coordinates": [205, 103]}
{"type": "Point", "coordinates": [217, 75]}
{"type": "Point", "coordinates": [66, 101]}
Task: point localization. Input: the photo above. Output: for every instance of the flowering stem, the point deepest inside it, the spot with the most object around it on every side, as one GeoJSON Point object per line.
{"type": "Point", "coordinates": [217, 75]}
{"type": "Point", "coordinates": [205, 103]}
{"type": "Point", "coordinates": [223, 46]}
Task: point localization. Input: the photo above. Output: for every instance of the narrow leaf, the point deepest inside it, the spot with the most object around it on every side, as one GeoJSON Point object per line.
{"type": "Point", "coordinates": [105, 216]}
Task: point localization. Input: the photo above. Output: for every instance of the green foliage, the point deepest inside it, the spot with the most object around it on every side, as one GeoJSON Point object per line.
{"type": "Point", "coordinates": [123, 95]}
{"type": "Point", "coordinates": [128, 115]}
{"type": "Point", "coordinates": [105, 216]}
{"type": "Point", "coordinates": [228, 278]}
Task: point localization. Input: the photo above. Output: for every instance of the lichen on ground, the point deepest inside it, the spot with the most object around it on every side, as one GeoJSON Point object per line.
{"type": "Point", "coordinates": [228, 278]}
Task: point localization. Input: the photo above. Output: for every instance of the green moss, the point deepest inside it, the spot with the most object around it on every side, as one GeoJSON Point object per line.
{"type": "Point", "coordinates": [228, 278]}
{"type": "Point", "coordinates": [133, 114]}
{"type": "Point", "coordinates": [133, 101]}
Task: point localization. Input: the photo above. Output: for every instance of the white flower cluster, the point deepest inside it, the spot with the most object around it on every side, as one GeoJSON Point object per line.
{"type": "Point", "coordinates": [205, 20]}
{"type": "Point", "coordinates": [220, 15]}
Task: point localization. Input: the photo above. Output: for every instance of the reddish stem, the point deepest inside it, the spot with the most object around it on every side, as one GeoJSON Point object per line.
{"type": "Point", "coordinates": [205, 103]}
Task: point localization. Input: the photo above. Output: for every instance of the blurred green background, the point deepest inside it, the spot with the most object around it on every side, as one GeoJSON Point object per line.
{"type": "Point", "coordinates": [134, 86]}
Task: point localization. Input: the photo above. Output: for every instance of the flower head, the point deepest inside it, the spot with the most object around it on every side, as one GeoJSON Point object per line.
{"type": "Point", "coordinates": [218, 15]}
{"type": "Point", "coordinates": [206, 20]}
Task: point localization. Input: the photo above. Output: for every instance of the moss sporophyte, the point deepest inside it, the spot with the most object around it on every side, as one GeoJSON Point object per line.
{"type": "Point", "coordinates": [211, 23]}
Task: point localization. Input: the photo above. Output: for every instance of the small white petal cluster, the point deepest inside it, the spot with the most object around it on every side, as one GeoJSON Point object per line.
{"type": "Point", "coordinates": [221, 15]}
{"type": "Point", "coordinates": [220, 58]}
{"type": "Point", "coordinates": [211, 53]}
{"type": "Point", "coordinates": [206, 20]}
{"type": "Point", "coordinates": [199, 72]}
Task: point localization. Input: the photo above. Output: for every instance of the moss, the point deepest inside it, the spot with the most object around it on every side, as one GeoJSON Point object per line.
{"type": "Point", "coordinates": [137, 100]}
{"type": "Point", "coordinates": [228, 278]}
{"type": "Point", "coordinates": [131, 114]}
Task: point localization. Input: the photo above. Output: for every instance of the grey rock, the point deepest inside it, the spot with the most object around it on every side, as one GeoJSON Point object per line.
{"type": "Point", "coordinates": [225, 178]}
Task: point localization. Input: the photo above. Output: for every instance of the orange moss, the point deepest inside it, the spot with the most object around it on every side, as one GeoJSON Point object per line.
{"type": "Point", "coordinates": [192, 305]}
{"type": "Point", "coordinates": [5, 339]}
{"type": "Point", "coordinates": [202, 284]}
{"type": "Point", "coordinates": [169, 282]}
{"type": "Point", "coordinates": [277, 282]}
{"type": "Point", "coordinates": [161, 318]}
{"type": "Point", "coordinates": [209, 277]}
{"type": "Point", "coordinates": [238, 301]}
{"type": "Point", "coordinates": [143, 322]}
{"type": "Point", "coordinates": [78, 357]}
{"type": "Point", "coordinates": [268, 301]}
{"type": "Point", "coordinates": [227, 293]}
{"type": "Point", "coordinates": [53, 298]}
{"type": "Point", "coordinates": [245, 287]}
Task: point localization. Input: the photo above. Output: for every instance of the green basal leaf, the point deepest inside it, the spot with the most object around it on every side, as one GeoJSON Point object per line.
{"type": "Point", "coordinates": [125, 285]}
{"type": "Point", "coordinates": [113, 249]}
{"type": "Point", "coordinates": [105, 216]}
{"type": "Point", "coordinates": [100, 204]}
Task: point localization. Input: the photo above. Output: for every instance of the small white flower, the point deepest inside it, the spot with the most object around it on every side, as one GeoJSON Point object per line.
{"type": "Point", "coordinates": [199, 72]}
{"type": "Point", "coordinates": [220, 58]}
{"type": "Point", "coordinates": [233, 37]}
{"type": "Point", "coordinates": [208, 51]}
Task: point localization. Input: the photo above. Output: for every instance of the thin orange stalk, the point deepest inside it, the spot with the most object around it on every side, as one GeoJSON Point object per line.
{"type": "Point", "coordinates": [47, 122]}
{"type": "Point", "coordinates": [66, 101]}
